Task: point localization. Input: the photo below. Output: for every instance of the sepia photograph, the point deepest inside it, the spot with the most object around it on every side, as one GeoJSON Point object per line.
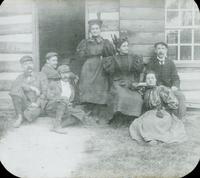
{"type": "Point", "coordinates": [99, 88]}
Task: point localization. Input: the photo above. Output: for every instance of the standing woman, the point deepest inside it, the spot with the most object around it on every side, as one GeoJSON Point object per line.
{"type": "Point", "coordinates": [94, 85]}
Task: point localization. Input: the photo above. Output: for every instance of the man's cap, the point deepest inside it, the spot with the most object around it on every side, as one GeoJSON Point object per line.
{"type": "Point", "coordinates": [25, 59]}
{"type": "Point", "coordinates": [63, 69]}
{"type": "Point", "coordinates": [95, 21]}
{"type": "Point", "coordinates": [50, 54]}
{"type": "Point", "coordinates": [161, 43]}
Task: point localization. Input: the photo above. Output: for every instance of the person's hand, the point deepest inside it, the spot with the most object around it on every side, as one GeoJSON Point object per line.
{"type": "Point", "coordinates": [34, 105]}
{"type": "Point", "coordinates": [35, 90]}
{"type": "Point", "coordinates": [174, 88]}
{"type": "Point", "coordinates": [142, 84]}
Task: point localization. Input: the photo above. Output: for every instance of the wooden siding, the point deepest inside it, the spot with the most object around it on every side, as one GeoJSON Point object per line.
{"type": "Point", "coordinates": [108, 11]}
{"type": "Point", "coordinates": [16, 40]}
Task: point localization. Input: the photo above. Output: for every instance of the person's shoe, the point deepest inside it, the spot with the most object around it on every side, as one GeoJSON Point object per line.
{"type": "Point", "coordinates": [153, 142]}
{"type": "Point", "coordinates": [18, 122]}
{"type": "Point", "coordinates": [59, 130]}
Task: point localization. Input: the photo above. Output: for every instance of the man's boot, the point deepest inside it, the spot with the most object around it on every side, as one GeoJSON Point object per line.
{"type": "Point", "coordinates": [18, 122]}
{"type": "Point", "coordinates": [57, 127]}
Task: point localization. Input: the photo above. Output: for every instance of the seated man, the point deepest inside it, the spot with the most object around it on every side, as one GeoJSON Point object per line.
{"type": "Point", "coordinates": [166, 74]}
{"type": "Point", "coordinates": [60, 96]}
{"type": "Point", "coordinates": [49, 68]}
{"type": "Point", "coordinates": [28, 92]}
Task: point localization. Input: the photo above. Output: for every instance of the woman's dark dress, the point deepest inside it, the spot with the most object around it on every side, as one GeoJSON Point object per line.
{"type": "Point", "coordinates": [94, 86]}
{"type": "Point", "coordinates": [125, 69]}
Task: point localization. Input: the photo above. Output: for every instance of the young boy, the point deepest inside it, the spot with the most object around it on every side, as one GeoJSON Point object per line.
{"type": "Point", "coordinates": [60, 96]}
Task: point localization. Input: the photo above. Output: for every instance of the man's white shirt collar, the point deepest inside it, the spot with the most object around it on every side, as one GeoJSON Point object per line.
{"type": "Point", "coordinates": [161, 60]}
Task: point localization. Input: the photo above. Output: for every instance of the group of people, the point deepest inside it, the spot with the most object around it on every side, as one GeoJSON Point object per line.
{"type": "Point", "coordinates": [112, 80]}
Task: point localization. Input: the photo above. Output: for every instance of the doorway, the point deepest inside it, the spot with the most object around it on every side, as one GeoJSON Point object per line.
{"type": "Point", "coordinates": [61, 26]}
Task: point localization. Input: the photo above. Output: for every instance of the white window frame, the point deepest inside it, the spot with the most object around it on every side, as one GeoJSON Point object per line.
{"type": "Point", "coordinates": [179, 28]}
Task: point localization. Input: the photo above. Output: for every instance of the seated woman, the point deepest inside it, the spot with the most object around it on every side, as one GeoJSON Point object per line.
{"type": "Point", "coordinates": [158, 123]}
{"type": "Point", "coordinates": [124, 70]}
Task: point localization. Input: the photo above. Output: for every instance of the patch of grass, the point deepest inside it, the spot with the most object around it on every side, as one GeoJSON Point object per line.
{"type": "Point", "coordinates": [112, 154]}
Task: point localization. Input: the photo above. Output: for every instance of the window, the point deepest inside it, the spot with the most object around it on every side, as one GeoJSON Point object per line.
{"type": "Point", "coordinates": [182, 29]}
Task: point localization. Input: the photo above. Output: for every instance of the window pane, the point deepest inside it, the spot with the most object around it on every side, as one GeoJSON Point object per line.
{"type": "Point", "coordinates": [197, 18]}
{"type": "Point", "coordinates": [172, 37]}
{"type": "Point", "coordinates": [172, 4]}
{"type": "Point", "coordinates": [197, 53]}
{"type": "Point", "coordinates": [186, 4]}
{"type": "Point", "coordinates": [186, 36]}
{"type": "Point", "coordinates": [185, 53]}
{"type": "Point", "coordinates": [186, 18]}
{"type": "Point", "coordinates": [173, 52]}
{"type": "Point", "coordinates": [197, 36]}
{"type": "Point", "coordinates": [172, 18]}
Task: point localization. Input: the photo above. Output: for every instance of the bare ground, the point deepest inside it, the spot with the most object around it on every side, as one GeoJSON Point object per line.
{"type": "Point", "coordinates": [96, 152]}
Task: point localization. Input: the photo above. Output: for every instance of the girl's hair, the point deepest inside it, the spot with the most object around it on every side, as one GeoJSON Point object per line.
{"type": "Point", "coordinates": [150, 72]}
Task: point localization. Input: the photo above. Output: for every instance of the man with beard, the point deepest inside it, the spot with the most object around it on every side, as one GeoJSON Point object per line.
{"type": "Point", "coordinates": [60, 97]}
{"type": "Point", "coordinates": [167, 75]}
{"type": "Point", "coordinates": [28, 92]}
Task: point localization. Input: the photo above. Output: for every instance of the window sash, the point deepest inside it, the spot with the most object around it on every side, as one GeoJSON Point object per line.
{"type": "Point", "coordinates": [180, 27]}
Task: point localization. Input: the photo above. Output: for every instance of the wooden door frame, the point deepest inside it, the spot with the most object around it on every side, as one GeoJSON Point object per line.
{"type": "Point", "coordinates": [35, 34]}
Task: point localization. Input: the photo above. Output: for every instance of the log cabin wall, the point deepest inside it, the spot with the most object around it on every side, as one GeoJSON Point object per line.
{"type": "Point", "coordinates": [17, 38]}
{"type": "Point", "coordinates": [144, 22]}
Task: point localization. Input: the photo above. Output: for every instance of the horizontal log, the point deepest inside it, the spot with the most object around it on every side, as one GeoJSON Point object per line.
{"type": "Point", "coordinates": [103, 8]}
{"type": "Point", "coordinates": [146, 37]}
{"type": "Point", "coordinates": [5, 85]}
{"type": "Point", "coordinates": [104, 16]}
{"type": "Point", "coordinates": [24, 38]}
{"type": "Point", "coordinates": [190, 85]}
{"type": "Point", "coordinates": [110, 25]}
{"type": "Point", "coordinates": [9, 76]}
{"type": "Point", "coordinates": [143, 3]}
{"type": "Point", "coordinates": [142, 25]}
{"type": "Point", "coordinates": [12, 57]}
{"type": "Point", "coordinates": [189, 76]}
{"type": "Point", "coordinates": [192, 96]}
{"type": "Point", "coordinates": [188, 64]}
{"type": "Point", "coordinates": [12, 47]}
{"type": "Point", "coordinates": [17, 19]}
{"type": "Point", "coordinates": [15, 9]}
{"type": "Point", "coordinates": [10, 66]}
{"type": "Point", "coordinates": [144, 50]}
{"type": "Point", "coordinates": [15, 29]}
{"type": "Point", "coordinates": [131, 13]}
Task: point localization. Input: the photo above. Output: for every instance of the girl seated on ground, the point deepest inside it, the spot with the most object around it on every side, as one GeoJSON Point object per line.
{"type": "Point", "coordinates": [158, 123]}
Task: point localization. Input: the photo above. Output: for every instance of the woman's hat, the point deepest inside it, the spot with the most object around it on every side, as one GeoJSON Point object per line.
{"type": "Point", "coordinates": [118, 41]}
{"type": "Point", "coordinates": [95, 21]}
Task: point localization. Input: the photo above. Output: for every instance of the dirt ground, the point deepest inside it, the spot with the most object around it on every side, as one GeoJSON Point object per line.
{"type": "Point", "coordinates": [94, 152]}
